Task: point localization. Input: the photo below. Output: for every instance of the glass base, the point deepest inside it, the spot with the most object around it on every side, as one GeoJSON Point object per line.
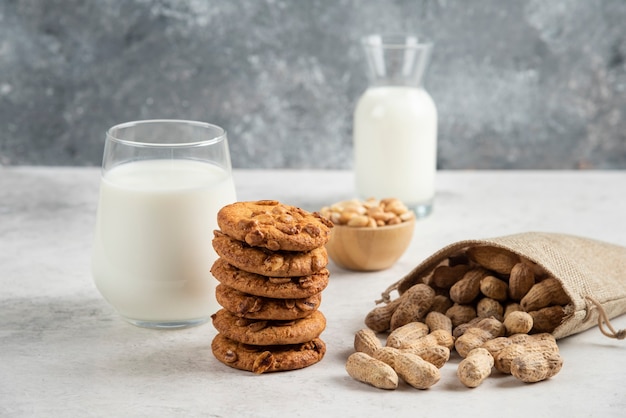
{"type": "Point", "coordinates": [422, 210]}
{"type": "Point", "coordinates": [167, 324]}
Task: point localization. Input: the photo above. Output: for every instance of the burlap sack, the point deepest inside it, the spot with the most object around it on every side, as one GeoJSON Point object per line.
{"type": "Point", "coordinates": [592, 273]}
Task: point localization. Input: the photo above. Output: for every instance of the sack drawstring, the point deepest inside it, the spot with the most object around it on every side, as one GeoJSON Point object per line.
{"type": "Point", "coordinates": [386, 295]}
{"type": "Point", "coordinates": [603, 320]}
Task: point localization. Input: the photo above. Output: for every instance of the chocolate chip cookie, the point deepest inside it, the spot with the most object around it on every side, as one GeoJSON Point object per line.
{"type": "Point", "coordinates": [258, 307]}
{"type": "Point", "coordinates": [265, 359]}
{"type": "Point", "coordinates": [262, 261]}
{"type": "Point", "coordinates": [261, 332]}
{"type": "Point", "coordinates": [273, 225]}
{"type": "Point", "coordinates": [271, 287]}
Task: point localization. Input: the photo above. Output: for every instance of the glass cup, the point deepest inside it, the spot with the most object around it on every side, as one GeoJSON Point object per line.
{"type": "Point", "coordinates": [163, 182]}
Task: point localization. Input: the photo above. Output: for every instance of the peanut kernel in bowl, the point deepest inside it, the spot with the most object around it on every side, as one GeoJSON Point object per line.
{"type": "Point", "coordinates": [368, 213]}
{"type": "Point", "coordinates": [368, 235]}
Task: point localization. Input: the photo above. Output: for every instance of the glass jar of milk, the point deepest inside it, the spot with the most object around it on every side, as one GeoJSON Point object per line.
{"type": "Point", "coordinates": [395, 124]}
{"type": "Point", "coordinates": [163, 182]}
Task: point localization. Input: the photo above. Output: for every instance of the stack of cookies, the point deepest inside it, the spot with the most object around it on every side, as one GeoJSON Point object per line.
{"type": "Point", "coordinates": [272, 270]}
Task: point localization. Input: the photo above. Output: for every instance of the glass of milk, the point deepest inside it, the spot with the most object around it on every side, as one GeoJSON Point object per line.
{"type": "Point", "coordinates": [163, 182]}
{"type": "Point", "coordinates": [395, 124]}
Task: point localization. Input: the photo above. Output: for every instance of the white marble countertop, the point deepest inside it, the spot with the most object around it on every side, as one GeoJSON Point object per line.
{"type": "Point", "coordinates": [64, 352]}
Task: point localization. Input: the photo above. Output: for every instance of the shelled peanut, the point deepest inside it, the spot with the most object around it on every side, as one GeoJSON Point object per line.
{"type": "Point", "coordinates": [493, 305]}
{"type": "Point", "coordinates": [368, 213]}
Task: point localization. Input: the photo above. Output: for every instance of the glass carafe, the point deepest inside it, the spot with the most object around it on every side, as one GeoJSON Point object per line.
{"type": "Point", "coordinates": [395, 124]}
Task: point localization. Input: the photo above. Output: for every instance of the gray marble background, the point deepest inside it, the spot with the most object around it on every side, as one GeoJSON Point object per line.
{"type": "Point", "coordinates": [518, 83]}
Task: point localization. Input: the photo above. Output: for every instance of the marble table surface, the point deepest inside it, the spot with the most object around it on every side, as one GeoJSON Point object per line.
{"type": "Point", "coordinates": [64, 352]}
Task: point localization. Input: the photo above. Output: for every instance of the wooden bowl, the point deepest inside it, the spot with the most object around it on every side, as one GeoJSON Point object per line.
{"type": "Point", "coordinates": [367, 248]}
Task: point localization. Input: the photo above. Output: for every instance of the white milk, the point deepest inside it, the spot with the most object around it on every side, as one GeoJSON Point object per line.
{"type": "Point", "coordinates": [152, 253]}
{"type": "Point", "coordinates": [395, 142]}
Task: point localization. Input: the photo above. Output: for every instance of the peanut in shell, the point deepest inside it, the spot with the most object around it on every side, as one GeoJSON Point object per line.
{"type": "Point", "coordinates": [535, 367]}
{"type": "Point", "coordinates": [547, 319]}
{"type": "Point", "coordinates": [406, 334]}
{"type": "Point", "coordinates": [367, 369]}
{"type": "Point", "coordinates": [475, 367]}
{"type": "Point", "coordinates": [521, 280]}
{"type": "Point", "coordinates": [468, 288]}
{"type": "Point", "coordinates": [493, 258]}
{"type": "Point", "coordinates": [494, 288]}
{"type": "Point", "coordinates": [366, 341]}
{"type": "Point", "coordinates": [414, 305]}
{"type": "Point", "coordinates": [379, 318]}
{"type": "Point", "coordinates": [545, 293]}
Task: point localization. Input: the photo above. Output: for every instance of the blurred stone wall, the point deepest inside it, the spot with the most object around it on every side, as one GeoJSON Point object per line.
{"type": "Point", "coordinates": [526, 84]}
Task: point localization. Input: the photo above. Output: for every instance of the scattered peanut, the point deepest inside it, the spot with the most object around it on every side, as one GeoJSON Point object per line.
{"type": "Point", "coordinates": [436, 355]}
{"type": "Point", "coordinates": [367, 369]}
{"type": "Point", "coordinates": [379, 319]}
{"type": "Point", "coordinates": [535, 367]}
{"type": "Point", "coordinates": [496, 345]}
{"type": "Point", "coordinates": [414, 305]}
{"type": "Point", "coordinates": [416, 371]}
{"type": "Point", "coordinates": [461, 328]}
{"type": "Point", "coordinates": [475, 368]}
{"type": "Point", "coordinates": [366, 341]}
{"type": "Point", "coordinates": [387, 355]}
{"type": "Point", "coordinates": [540, 344]}
{"type": "Point", "coordinates": [491, 325]}
{"type": "Point", "coordinates": [519, 322]}
{"type": "Point", "coordinates": [443, 338]}
{"type": "Point", "coordinates": [406, 334]}
{"type": "Point", "coordinates": [473, 338]}
{"type": "Point", "coordinates": [461, 314]}
{"type": "Point", "coordinates": [433, 339]}
{"type": "Point", "coordinates": [436, 320]}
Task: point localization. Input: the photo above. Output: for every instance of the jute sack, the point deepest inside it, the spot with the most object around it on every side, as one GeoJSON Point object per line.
{"type": "Point", "coordinates": [592, 273]}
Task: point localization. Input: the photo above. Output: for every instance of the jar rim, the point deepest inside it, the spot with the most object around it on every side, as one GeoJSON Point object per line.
{"type": "Point", "coordinates": [396, 41]}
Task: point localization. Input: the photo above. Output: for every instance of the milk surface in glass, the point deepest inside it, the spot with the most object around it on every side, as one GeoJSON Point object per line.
{"type": "Point", "coordinates": [395, 143]}
{"type": "Point", "coordinates": [152, 251]}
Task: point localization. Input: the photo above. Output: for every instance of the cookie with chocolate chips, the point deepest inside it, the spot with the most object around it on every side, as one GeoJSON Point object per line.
{"type": "Point", "coordinates": [266, 359]}
{"type": "Point", "coordinates": [274, 225]}
{"type": "Point", "coordinates": [258, 307]}
{"type": "Point", "coordinates": [270, 287]}
{"type": "Point", "coordinates": [262, 261]}
{"type": "Point", "coordinates": [262, 332]}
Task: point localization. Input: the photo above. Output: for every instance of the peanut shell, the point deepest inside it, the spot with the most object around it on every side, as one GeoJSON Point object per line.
{"type": "Point", "coordinates": [367, 369]}
{"type": "Point", "coordinates": [416, 371]}
{"type": "Point", "coordinates": [414, 304]}
{"type": "Point", "coordinates": [475, 368]}
{"type": "Point", "coordinates": [545, 293]}
{"type": "Point", "coordinates": [497, 259]}
{"type": "Point", "coordinates": [468, 288]}
{"type": "Point", "coordinates": [366, 341]}
{"type": "Point", "coordinates": [521, 280]}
